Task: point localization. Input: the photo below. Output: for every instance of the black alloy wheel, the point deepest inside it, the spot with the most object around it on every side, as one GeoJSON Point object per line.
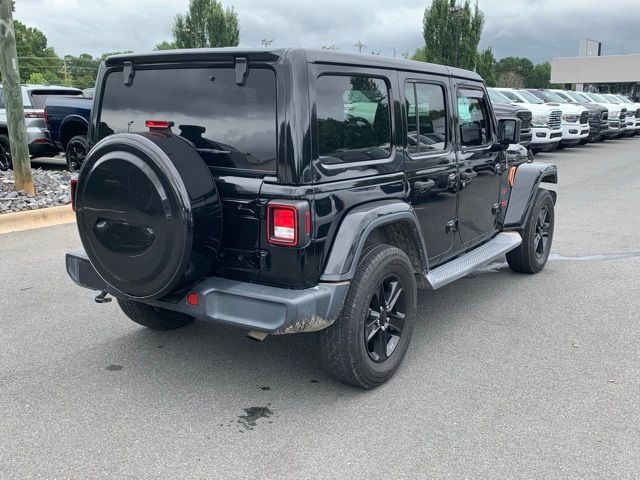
{"type": "Point", "coordinates": [385, 321]}
{"type": "Point", "coordinates": [541, 237]}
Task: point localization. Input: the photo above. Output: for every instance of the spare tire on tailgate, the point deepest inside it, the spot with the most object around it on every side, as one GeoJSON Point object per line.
{"type": "Point", "coordinates": [148, 213]}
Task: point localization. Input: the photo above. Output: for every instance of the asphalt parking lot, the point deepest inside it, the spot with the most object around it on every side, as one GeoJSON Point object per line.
{"type": "Point", "coordinates": [508, 376]}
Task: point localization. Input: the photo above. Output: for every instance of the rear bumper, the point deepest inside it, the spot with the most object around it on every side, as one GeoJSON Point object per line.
{"type": "Point", "coordinates": [245, 305]}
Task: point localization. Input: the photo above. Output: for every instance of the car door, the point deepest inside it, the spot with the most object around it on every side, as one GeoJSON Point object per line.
{"type": "Point", "coordinates": [430, 160]}
{"type": "Point", "coordinates": [480, 165]}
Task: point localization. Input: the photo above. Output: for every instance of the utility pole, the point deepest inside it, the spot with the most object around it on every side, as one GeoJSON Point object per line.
{"type": "Point", "coordinates": [13, 101]}
{"type": "Point", "coordinates": [359, 45]}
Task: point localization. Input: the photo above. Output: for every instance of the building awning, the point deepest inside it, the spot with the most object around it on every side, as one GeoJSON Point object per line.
{"type": "Point", "coordinates": [605, 69]}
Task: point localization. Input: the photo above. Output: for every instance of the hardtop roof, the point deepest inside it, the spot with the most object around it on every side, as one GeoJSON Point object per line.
{"type": "Point", "coordinates": [312, 55]}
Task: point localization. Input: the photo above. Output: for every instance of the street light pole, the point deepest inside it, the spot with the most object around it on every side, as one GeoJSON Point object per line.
{"type": "Point", "coordinates": [13, 101]}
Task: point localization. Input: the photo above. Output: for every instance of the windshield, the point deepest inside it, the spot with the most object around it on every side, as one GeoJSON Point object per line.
{"type": "Point", "coordinates": [498, 97]}
{"type": "Point", "coordinates": [611, 99]}
{"type": "Point", "coordinates": [231, 125]}
{"type": "Point", "coordinates": [530, 97]}
{"type": "Point", "coordinates": [579, 97]}
{"type": "Point", "coordinates": [598, 98]}
{"type": "Point", "coordinates": [512, 96]}
{"type": "Point", "coordinates": [565, 97]}
{"type": "Point", "coordinates": [551, 96]}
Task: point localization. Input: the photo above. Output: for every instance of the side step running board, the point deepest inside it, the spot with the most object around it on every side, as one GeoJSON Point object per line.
{"type": "Point", "coordinates": [467, 263]}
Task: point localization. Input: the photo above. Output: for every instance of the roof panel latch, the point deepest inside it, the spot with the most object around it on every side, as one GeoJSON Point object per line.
{"type": "Point", "coordinates": [242, 70]}
{"type": "Point", "coordinates": [128, 73]}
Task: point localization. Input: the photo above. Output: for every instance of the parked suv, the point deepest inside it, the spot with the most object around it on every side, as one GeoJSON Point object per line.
{"type": "Point", "coordinates": [546, 122]}
{"type": "Point", "coordinates": [598, 115]}
{"type": "Point", "coordinates": [295, 190]}
{"type": "Point", "coordinates": [34, 98]}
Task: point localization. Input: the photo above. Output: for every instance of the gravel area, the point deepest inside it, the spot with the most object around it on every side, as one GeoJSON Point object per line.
{"type": "Point", "coordinates": [52, 189]}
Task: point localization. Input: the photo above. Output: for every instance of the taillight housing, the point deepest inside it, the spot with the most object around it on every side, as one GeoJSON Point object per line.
{"type": "Point", "coordinates": [46, 115]}
{"type": "Point", "coordinates": [73, 186]}
{"type": "Point", "coordinates": [288, 223]}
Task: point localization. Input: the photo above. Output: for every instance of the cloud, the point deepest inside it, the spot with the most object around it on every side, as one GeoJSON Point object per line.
{"type": "Point", "coordinates": [538, 29]}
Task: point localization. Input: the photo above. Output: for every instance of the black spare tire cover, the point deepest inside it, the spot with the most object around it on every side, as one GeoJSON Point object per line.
{"type": "Point", "coordinates": [148, 211]}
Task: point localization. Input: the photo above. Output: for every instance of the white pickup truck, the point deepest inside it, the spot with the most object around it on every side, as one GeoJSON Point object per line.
{"type": "Point", "coordinates": [546, 123]}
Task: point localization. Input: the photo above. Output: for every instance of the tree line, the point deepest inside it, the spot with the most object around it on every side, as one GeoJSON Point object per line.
{"type": "Point", "coordinates": [451, 32]}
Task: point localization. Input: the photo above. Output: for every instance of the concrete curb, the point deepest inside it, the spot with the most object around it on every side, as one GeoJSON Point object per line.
{"type": "Point", "coordinates": [43, 217]}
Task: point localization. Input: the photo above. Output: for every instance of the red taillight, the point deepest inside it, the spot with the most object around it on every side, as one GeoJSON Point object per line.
{"type": "Point", "coordinates": [34, 114]}
{"type": "Point", "coordinates": [193, 299]}
{"type": "Point", "coordinates": [73, 186]}
{"type": "Point", "coordinates": [282, 224]}
{"type": "Point", "coordinates": [160, 124]}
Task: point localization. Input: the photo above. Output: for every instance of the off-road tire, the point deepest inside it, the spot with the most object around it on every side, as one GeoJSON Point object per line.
{"type": "Point", "coordinates": [343, 349]}
{"type": "Point", "coordinates": [155, 318]}
{"type": "Point", "coordinates": [5, 155]}
{"type": "Point", "coordinates": [524, 259]}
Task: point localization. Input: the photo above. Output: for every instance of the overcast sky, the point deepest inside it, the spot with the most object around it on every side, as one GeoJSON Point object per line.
{"type": "Point", "coordinates": [538, 29]}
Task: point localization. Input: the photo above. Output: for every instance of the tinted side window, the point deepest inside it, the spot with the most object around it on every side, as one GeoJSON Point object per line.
{"type": "Point", "coordinates": [473, 117]}
{"type": "Point", "coordinates": [426, 118]}
{"type": "Point", "coordinates": [353, 119]}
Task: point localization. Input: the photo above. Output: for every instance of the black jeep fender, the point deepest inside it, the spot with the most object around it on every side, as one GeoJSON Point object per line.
{"type": "Point", "coordinates": [525, 187]}
{"type": "Point", "coordinates": [359, 224]}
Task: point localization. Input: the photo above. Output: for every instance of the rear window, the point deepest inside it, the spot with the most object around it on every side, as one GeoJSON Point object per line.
{"type": "Point", "coordinates": [39, 97]}
{"type": "Point", "coordinates": [231, 125]}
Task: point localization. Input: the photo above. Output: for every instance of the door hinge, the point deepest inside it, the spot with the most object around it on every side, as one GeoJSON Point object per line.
{"type": "Point", "coordinates": [452, 226]}
{"type": "Point", "coordinates": [261, 208]}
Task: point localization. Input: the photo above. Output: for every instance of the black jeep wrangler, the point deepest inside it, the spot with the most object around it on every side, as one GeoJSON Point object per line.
{"type": "Point", "coordinates": [288, 191]}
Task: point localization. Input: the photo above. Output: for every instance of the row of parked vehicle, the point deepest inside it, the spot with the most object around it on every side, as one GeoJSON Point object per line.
{"type": "Point", "coordinates": [553, 118]}
{"type": "Point", "coordinates": [56, 118]}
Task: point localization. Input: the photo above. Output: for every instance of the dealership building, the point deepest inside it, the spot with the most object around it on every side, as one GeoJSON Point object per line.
{"type": "Point", "coordinates": [595, 72]}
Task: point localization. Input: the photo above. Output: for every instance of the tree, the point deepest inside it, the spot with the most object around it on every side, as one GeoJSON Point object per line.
{"type": "Point", "coordinates": [35, 55]}
{"type": "Point", "coordinates": [520, 66]}
{"type": "Point", "coordinates": [206, 24]}
{"type": "Point", "coordinates": [510, 80]}
{"type": "Point", "coordinates": [486, 67]}
{"type": "Point", "coordinates": [452, 33]}
{"type": "Point", "coordinates": [540, 76]}
{"type": "Point", "coordinates": [17, 130]}
{"type": "Point", "coordinates": [164, 45]}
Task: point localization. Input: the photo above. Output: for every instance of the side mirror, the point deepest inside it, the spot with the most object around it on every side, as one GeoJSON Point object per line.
{"type": "Point", "coordinates": [509, 131]}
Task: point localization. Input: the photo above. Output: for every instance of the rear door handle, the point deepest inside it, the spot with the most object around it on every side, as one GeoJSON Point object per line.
{"type": "Point", "coordinates": [423, 187]}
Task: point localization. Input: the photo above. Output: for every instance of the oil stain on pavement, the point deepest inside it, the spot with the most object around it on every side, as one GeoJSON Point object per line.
{"type": "Point", "coordinates": [251, 416]}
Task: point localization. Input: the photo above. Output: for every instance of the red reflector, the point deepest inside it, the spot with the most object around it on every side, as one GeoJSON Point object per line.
{"type": "Point", "coordinates": [193, 299]}
{"type": "Point", "coordinates": [73, 187]}
{"type": "Point", "coordinates": [41, 140]}
{"type": "Point", "coordinates": [282, 224]}
{"type": "Point", "coordinates": [158, 124]}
